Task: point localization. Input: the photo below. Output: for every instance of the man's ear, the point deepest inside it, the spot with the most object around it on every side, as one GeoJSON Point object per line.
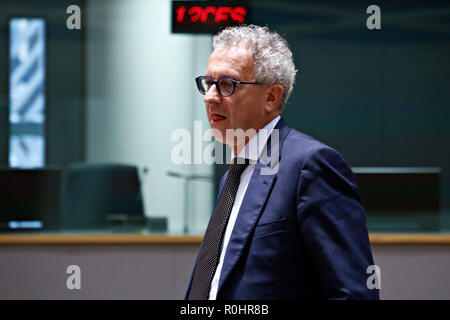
{"type": "Point", "coordinates": [273, 97]}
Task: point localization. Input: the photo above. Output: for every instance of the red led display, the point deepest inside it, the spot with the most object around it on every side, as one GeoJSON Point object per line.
{"type": "Point", "coordinates": [207, 16]}
{"type": "Point", "coordinates": [219, 13]}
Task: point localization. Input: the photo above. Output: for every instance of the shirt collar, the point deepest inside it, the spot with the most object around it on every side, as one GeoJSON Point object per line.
{"type": "Point", "coordinates": [252, 150]}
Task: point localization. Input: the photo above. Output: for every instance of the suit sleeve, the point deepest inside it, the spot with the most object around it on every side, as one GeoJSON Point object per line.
{"type": "Point", "coordinates": [333, 227]}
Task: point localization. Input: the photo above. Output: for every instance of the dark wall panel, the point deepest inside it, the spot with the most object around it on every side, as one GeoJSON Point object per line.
{"type": "Point", "coordinates": [380, 97]}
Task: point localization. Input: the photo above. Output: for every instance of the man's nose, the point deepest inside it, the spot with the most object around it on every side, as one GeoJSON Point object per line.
{"type": "Point", "coordinates": [212, 95]}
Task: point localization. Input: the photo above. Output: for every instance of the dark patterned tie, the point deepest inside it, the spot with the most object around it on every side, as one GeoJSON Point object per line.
{"type": "Point", "coordinates": [210, 249]}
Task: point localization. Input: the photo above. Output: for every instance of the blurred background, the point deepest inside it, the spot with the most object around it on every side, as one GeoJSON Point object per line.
{"type": "Point", "coordinates": [114, 91]}
{"type": "Point", "coordinates": [88, 115]}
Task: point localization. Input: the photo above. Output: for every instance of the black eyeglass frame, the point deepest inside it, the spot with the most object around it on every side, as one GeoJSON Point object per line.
{"type": "Point", "coordinates": [235, 83]}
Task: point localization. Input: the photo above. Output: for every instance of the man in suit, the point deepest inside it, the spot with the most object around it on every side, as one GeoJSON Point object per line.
{"type": "Point", "coordinates": [289, 228]}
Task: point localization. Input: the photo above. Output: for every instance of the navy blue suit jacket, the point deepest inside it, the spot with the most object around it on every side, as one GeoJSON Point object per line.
{"type": "Point", "coordinates": [300, 233]}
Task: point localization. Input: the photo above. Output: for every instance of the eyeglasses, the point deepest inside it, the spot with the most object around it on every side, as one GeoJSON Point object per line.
{"type": "Point", "coordinates": [225, 86]}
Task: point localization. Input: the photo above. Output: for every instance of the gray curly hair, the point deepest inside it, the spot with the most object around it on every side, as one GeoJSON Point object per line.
{"type": "Point", "coordinates": [274, 63]}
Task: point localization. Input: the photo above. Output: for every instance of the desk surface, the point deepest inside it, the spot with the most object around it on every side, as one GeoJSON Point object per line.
{"type": "Point", "coordinates": [80, 238]}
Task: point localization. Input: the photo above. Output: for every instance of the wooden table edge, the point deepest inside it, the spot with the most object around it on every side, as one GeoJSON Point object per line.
{"type": "Point", "coordinates": [63, 239]}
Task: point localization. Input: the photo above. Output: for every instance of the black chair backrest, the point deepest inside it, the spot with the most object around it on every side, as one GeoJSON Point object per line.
{"type": "Point", "coordinates": [93, 191]}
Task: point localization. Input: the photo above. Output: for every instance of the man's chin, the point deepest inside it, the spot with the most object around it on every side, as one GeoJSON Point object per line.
{"type": "Point", "coordinates": [218, 134]}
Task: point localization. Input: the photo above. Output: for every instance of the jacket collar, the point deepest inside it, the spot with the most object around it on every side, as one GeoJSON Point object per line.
{"type": "Point", "coordinates": [253, 149]}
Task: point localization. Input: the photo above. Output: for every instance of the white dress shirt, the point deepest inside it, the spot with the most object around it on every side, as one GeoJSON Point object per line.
{"type": "Point", "coordinates": [252, 150]}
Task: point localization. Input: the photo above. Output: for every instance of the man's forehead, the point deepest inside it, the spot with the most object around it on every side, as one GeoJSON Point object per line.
{"type": "Point", "coordinates": [230, 62]}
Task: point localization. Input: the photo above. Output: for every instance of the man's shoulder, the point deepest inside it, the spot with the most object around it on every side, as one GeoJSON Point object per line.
{"type": "Point", "coordinates": [298, 149]}
{"type": "Point", "coordinates": [299, 144]}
